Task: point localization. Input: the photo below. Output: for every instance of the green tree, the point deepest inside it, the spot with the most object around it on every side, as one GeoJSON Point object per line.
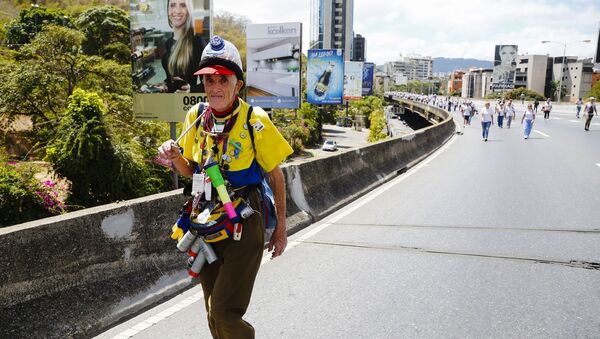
{"type": "Point", "coordinates": [377, 130]}
{"type": "Point", "coordinates": [84, 153]}
{"type": "Point", "coordinates": [594, 92]}
{"type": "Point", "coordinates": [106, 31]}
{"type": "Point", "coordinates": [312, 119]}
{"type": "Point", "coordinates": [31, 21]}
{"type": "Point", "coordinates": [48, 71]}
{"type": "Point", "coordinates": [233, 28]}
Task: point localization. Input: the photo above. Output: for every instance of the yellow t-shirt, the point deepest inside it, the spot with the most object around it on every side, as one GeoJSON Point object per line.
{"type": "Point", "coordinates": [238, 161]}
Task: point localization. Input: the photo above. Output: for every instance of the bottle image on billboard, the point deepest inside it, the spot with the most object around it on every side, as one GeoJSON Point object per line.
{"type": "Point", "coordinates": [323, 84]}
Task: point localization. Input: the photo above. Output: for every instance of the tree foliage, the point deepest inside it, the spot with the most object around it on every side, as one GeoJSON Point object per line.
{"type": "Point", "coordinates": [377, 130]}
{"type": "Point", "coordinates": [30, 22]}
{"type": "Point", "coordinates": [233, 28]}
{"type": "Point", "coordinates": [48, 70]}
{"type": "Point", "coordinates": [529, 95]}
{"type": "Point", "coordinates": [83, 152]}
{"type": "Point", "coordinates": [18, 200]}
{"type": "Point", "coordinates": [106, 31]}
{"type": "Point", "coordinates": [594, 92]}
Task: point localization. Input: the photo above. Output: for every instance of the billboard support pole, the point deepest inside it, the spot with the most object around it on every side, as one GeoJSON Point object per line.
{"type": "Point", "coordinates": [173, 127]}
{"type": "Point", "coordinates": [346, 120]}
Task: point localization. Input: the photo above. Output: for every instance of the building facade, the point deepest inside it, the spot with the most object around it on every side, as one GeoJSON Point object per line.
{"type": "Point", "coordinates": [476, 83]}
{"type": "Point", "coordinates": [411, 68]}
{"type": "Point", "coordinates": [576, 77]}
{"type": "Point", "coordinates": [532, 72]}
{"type": "Point", "coordinates": [455, 82]}
{"type": "Point", "coordinates": [360, 48]}
{"type": "Point", "coordinates": [332, 25]}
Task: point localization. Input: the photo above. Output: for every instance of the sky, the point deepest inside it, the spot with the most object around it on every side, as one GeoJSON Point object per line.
{"type": "Point", "coordinates": [452, 29]}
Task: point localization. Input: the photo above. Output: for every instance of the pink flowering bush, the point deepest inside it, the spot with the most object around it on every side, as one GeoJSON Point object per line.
{"type": "Point", "coordinates": [24, 198]}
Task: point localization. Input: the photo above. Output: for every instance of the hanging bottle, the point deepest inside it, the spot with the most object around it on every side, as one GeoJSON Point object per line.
{"type": "Point", "coordinates": [323, 84]}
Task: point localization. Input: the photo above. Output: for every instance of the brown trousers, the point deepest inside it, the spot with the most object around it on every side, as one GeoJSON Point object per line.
{"type": "Point", "coordinates": [227, 283]}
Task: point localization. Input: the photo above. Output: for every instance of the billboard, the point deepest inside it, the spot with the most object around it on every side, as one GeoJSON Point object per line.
{"type": "Point", "coordinates": [273, 59]}
{"type": "Point", "coordinates": [505, 67]}
{"type": "Point", "coordinates": [167, 39]}
{"type": "Point", "coordinates": [325, 76]}
{"type": "Point", "coordinates": [353, 75]}
{"type": "Point", "coordinates": [367, 78]}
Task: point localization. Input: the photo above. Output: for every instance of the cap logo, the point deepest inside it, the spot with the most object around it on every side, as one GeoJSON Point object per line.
{"type": "Point", "coordinates": [217, 43]}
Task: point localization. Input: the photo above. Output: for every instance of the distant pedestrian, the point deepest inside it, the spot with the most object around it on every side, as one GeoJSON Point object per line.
{"type": "Point", "coordinates": [487, 119]}
{"type": "Point", "coordinates": [500, 113]}
{"type": "Point", "coordinates": [547, 108]}
{"type": "Point", "coordinates": [590, 109]}
{"type": "Point", "coordinates": [473, 112]}
{"type": "Point", "coordinates": [536, 103]}
{"type": "Point", "coordinates": [466, 113]}
{"type": "Point", "coordinates": [522, 98]}
{"type": "Point", "coordinates": [510, 113]}
{"type": "Point", "coordinates": [578, 104]}
{"type": "Point", "coordinates": [528, 118]}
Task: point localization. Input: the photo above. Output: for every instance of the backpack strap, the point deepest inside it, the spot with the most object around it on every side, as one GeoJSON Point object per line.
{"type": "Point", "coordinates": [250, 128]}
{"type": "Point", "coordinates": [200, 110]}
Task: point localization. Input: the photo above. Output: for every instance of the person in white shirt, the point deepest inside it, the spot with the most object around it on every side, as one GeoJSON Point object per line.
{"type": "Point", "coordinates": [510, 113]}
{"type": "Point", "coordinates": [547, 108]}
{"type": "Point", "coordinates": [466, 113]}
{"type": "Point", "coordinates": [487, 119]}
{"type": "Point", "coordinates": [528, 118]}
{"type": "Point", "coordinates": [500, 112]}
{"type": "Point", "coordinates": [590, 109]}
{"type": "Point", "coordinates": [578, 104]}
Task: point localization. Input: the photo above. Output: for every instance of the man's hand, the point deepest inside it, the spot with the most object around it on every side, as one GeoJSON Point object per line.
{"type": "Point", "coordinates": [169, 150]}
{"type": "Point", "coordinates": [278, 242]}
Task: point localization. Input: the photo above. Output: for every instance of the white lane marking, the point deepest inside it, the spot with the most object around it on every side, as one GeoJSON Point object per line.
{"type": "Point", "coordinates": [542, 133]}
{"type": "Point", "coordinates": [596, 124]}
{"type": "Point", "coordinates": [323, 224]}
{"type": "Point", "coordinates": [598, 164]}
{"type": "Point", "coordinates": [574, 121]}
{"type": "Point", "coordinates": [556, 118]}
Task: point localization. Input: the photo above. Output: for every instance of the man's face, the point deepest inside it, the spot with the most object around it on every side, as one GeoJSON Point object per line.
{"type": "Point", "coordinates": [221, 90]}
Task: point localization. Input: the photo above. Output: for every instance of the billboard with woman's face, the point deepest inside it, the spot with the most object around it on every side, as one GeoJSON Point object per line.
{"type": "Point", "coordinates": [167, 39]}
{"type": "Point", "coordinates": [505, 67]}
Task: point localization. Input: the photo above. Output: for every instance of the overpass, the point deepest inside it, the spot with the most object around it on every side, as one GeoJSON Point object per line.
{"type": "Point", "coordinates": [496, 239]}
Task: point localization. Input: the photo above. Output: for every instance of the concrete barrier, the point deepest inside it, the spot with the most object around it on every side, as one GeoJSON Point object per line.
{"type": "Point", "coordinates": [77, 274]}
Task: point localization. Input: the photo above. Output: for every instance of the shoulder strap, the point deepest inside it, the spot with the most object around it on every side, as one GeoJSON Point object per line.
{"type": "Point", "coordinates": [199, 111]}
{"type": "Point", "coordinates": [250, 128]}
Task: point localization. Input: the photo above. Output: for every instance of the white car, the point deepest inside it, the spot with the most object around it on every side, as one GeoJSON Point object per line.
{"type": "Point", "coordinates": [329, 145]}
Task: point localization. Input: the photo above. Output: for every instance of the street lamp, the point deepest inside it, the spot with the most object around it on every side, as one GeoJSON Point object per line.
{"type": "Point", "coordinates": [562, 66]}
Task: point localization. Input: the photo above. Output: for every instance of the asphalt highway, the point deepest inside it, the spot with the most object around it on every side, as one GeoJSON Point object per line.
{"type": "Point", "coordinates": [496, 239]}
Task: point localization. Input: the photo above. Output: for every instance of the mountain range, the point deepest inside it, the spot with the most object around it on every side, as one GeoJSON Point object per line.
{"type": "Point", "coordinates": [447, 65]}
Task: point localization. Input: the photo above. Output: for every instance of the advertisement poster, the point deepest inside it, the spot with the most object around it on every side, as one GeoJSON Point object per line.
{"type": "Point", "coordinates": [367, 79]}
{"type": "Point", "coordinates": [325, 76]}
{"type": "Point", "coordinates": [505, 67]}
{"type": "Point", "coordinates": [273, 59]}
{"type": "Point", "coordinates": [353, 75]}
{"type": "Point", "coordinates": [167, 39]}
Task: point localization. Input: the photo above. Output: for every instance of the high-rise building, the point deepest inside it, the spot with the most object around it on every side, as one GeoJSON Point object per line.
{"type": "Point", "coordinates": [332, 25]}
{"type": "Point", "coordinates": [360, 47]}
{"type": "Point", "coordinates": [412, 68]}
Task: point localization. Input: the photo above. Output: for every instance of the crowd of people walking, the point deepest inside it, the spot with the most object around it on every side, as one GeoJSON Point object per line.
{"type": "Point", "coordinates": [504, 110]}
